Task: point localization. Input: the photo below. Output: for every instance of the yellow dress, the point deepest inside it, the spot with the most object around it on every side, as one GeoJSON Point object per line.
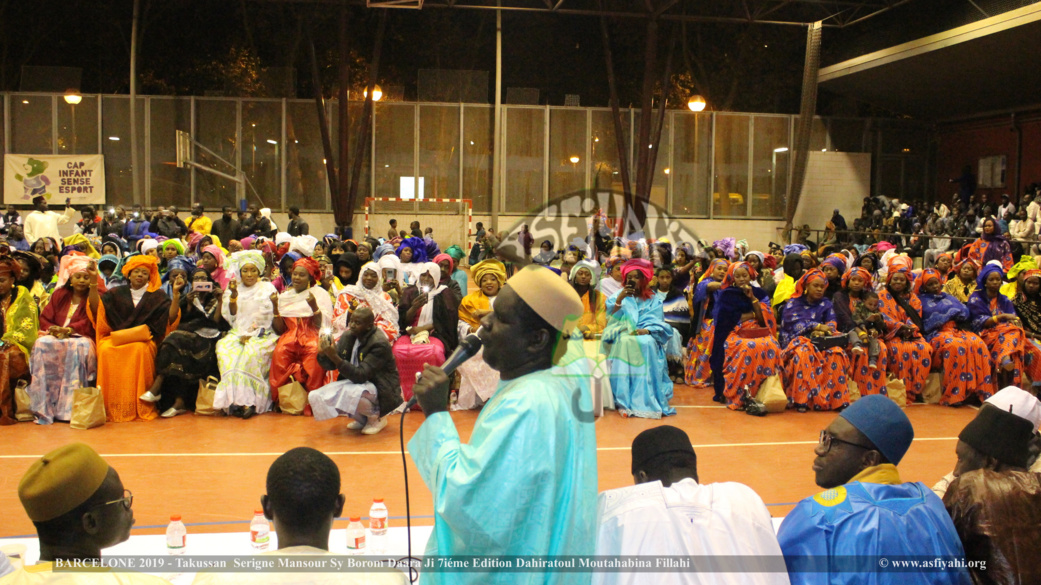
{"type": "Point", "coordinates": [956, 288]}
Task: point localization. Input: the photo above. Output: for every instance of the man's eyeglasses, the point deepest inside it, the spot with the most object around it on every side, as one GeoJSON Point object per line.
{"type": "Point", "coordinates": [826, 440]}
{"type": "Point", "coordinates": [127, 500]}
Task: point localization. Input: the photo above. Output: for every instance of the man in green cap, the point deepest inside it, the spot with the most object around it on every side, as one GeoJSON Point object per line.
{"type": "Point", "coordinates": [79, 506]}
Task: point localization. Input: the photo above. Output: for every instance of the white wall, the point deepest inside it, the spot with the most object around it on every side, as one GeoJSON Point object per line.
{"type": "Point", "coordinates": [834, 180]}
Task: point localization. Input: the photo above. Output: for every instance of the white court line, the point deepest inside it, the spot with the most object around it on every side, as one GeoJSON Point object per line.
{"type": "Point", "coordinates": [278, 454]}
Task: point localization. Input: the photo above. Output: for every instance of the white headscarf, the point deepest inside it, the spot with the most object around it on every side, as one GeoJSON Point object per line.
{"type": "Point", "coordinates": [253, 307]}
{"type": "Point", "coordinates": [303, 245]}
{"type": "Point", "coordinates": [390, 262]}
{"type": "Point", "coordinates": [426, 315]}
{"type": "Point", "coordinates": [283, 237]}
{"type": "Point", "coordinates": [375, 298]}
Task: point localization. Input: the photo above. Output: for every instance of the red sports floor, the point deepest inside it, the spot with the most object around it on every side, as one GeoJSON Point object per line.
{"type": "Point", "coordinates": [212, 470]}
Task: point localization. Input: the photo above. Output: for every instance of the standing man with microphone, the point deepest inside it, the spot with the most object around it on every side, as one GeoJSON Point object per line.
{"type": "Point", "coordinates": [526, 482]}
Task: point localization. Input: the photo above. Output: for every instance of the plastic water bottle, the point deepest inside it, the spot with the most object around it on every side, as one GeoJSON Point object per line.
{"type": "Point", "coordinates": [378, 526]}
{"type": "Point", "coordinates": [176, 536]}
{"type": "Point", "coordinates": [259, 531]}
{"type": "Point", "coordinates": [355, 536]}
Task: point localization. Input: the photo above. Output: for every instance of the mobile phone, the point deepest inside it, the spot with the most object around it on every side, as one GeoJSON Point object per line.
{"type": "Point", "coordinates": [203, 287]}
{"type": "Point", "coordinates": [425, 289]}
{"type": "Point", "coordinates": [328, 271]}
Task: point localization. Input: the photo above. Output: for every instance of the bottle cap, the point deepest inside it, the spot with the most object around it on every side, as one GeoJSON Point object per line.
{"type": "Point", "coordinates": [257, 511]}
{"type": "Point", "coordinates": [355, 518]}
{"type": "Point", "coordinates": [377, 500]}
{"type": "Point", "coordinates": [176, 518]}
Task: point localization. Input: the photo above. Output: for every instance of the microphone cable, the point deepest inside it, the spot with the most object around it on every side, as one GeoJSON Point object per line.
{"type": "Point", "coordinates": [412, 577]}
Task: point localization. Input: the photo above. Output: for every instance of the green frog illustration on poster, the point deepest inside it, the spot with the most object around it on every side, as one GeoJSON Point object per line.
{"type": "Point", "coordinates": [34, 181]}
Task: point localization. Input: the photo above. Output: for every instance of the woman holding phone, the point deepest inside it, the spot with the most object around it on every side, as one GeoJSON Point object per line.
{"type": "Point", "coordinates": [188, 354]}
{"type": "Point", "coordinates": [63, 358]}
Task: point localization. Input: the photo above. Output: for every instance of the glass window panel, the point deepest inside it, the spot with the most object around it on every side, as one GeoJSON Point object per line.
{"type": "Point", "coordinates": [263, 150]}
{"type": "Point", "coordinates": [847, 135]}
{"type": "Point", "coordinates": [770, 166]}
{"type": "Point", "coordinates": [354, 112]}
{"type": "Point", "coordinates": [78, 126]}
{"type": "Point", "coordinates": [660, 185]}
{"type": "Point", "coordinates": [30, 124]}
{"type": "Point", "coordinates": [692, 164]}
{"type": "Point", "coordinates": [731, 166]}
{"type": "Point", "coordinates": [395, 134]}
{"type": "Point", "coordinates": [115, 145]}
{"type": "Point", "coordinates": [169, 184]}
{"type": "Point", "coordinates": [567, 153]}
{"type": "Point", "coordinates": [525, 136]}
{"type": "Point", "coordinates": [477, 157]}
{"type": "Point", "coordinates": [215, 129]}
{"type": "Point", "coordinates": [439, 150]}
{"type": "Point", "coordinates": [306, 182]}
{"type": "Point", "coordinates": [605, 164]}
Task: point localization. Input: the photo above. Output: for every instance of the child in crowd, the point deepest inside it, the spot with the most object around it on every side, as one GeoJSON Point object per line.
{"type": "Point", "coordinates": [869, 326]}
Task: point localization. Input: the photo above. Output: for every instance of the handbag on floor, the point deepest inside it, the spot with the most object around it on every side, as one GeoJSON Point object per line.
{"type": "Point", "coordinates": [771, 394]}
{"type": "Point", "coordinates": [88, 409]}
{"type": "Point", "coordinates": [897, 391]}
{"type": "Point", "coordinates": [854, 390]}
{"type": "Point", "coordinates": [933, 389]}
{"type": "Point", "coordinates": [22, 403]}
{"type": "Point", "coordinates": [292, 398]}
{"type": "Point", "coordinates": [204, 401]}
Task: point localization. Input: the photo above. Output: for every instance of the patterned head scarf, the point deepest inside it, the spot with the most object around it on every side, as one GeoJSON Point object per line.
{"type": "Point", "coordinates": [72, 264]}
{"type": "Point", "coordinates": [928, 275]}
{"type": "Point", "coordinates": [10, 267]}
{"type": "Point", "coordinates": [857, 271]}
{"type": "Point", "coordinates": [1025, 263]}
{"type": "Point", "coordinates": [490, 266]}
{"type": "Point", "coordinates": [811, 276]}
{"type": "Point", "coordinates": [712, 268]}
{"type": "Point", "coordinates": [144, 261]}
{"type": "Point", "coordinates": [645, 268]}
{"type": "Point", "coordinates": [311, 265]}
{"type": "Point", "coordinates": [81, 240]}
{"type": "Point", "coordinates": [957, 267]}
{"type": "Point", "coordinates": [184, 263]}
{"type": "Point", "coordinates": [246, 258]}
{"type": "Point", "coordinates": [594, 271]}
{"type": "Point", "coordinates": [836, 261]}
{"type": "Point", "coordinates": [906, 271]}
{"type": "Point", "coordinates": [728, 280]}
{"type": "Point", "coordinates": [381, 251]}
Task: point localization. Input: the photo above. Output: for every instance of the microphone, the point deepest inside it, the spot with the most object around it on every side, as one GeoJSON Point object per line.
{"type": "Point", "coordinates": [468, 347]}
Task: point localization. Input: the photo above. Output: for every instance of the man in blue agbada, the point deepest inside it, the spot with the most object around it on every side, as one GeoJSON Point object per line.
{"type": "Point", "coordinates": [526, 482]}
{"type": "Point", "coordinates": [868, 518]}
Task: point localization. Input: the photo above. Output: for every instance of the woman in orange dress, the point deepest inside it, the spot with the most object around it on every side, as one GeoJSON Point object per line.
{"type": "Point", "coordinates": [697, 371]}
{"type": "Point", "coordinates": [131, 321]}
{"type": "Point", "coordinates": [910, 355]}
{"type": "Point", "coordinates": [994, 318]}
{"type": "Point", "coordinates": [301, 312]}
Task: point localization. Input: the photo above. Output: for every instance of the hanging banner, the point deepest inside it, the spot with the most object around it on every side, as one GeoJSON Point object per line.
{"type": "Point", "coordinates": [80, 178]}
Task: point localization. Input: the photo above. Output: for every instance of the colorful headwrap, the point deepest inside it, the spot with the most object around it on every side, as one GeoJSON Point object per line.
{"type": "Point", "coordinates": [929, 274]}
{"type": "Point", "coordinates": [80, 239]}
{"type": "Point", "coordinates": [490, 266]}
{"type": "Point", "coordinates": [1031, 273]}
{"type": "Point", "coordinates": [592, 267]}
{"type": "Point", "coordinates": [1025, 263]}
{"type": "Point", "coordinates": [712, 268]}
{"type": "Point", "coordinates": [906, 271]}
{"type": "Point", "coordinates": [144, 261]}
{"type": "Point", "coordinates": [381, 251]}
{"type": "Point", "coordinates": [987, 270]}
{"type": "Point", "coordinates": [175, 244]}
{"type": "Point", "coordinates": [794, 249]}
{"type": "Point", "coordinates": [857, 271]}
{"type": "Point", "coordinates": [246, 257]}
{"type": "Point", "coordinates": [217, 254]}
{"type": "Point", "coordinates": [247, 242]}
{"type": "Point", "coordinates": [451, 263]}
{"type": "Point", "coordinates": [728, 280]}
{"type": "Point", "coordinates": [72, 264]}
{"type": "Point", "coordinates": [10, 267]}
{"type": "Point", "coordinates": [836, 261]}
{"type": "Point", "coordinates": [944, 255]}
{"type": "Point", "coordinates": [900, 261]}
{"type": "Point", "coordinates": [811, 276]}
{"type": "Point", "coordinates": [311, 266]}
{"type": "Point", "coordinates": [645, 268]}
{"type": "Point", "coordinates": [455, 252]}
{"type": "Point", "coordinates": [418, 247]}
{"type": "Point", "coordinates": [185, 263]}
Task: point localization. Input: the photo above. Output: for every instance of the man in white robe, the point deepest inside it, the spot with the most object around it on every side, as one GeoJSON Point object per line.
{"type": "Point", "coordinates": [668, 513]}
